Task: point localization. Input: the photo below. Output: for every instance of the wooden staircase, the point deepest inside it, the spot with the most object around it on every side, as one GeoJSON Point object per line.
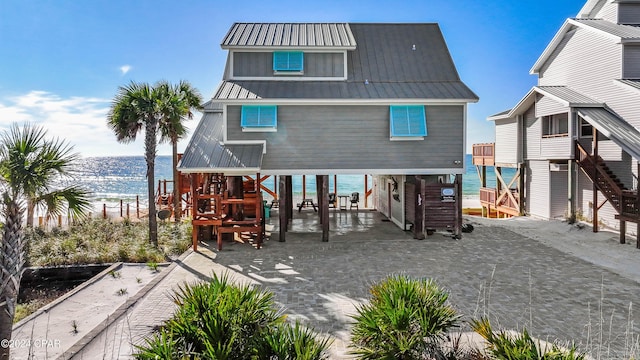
{"type": "Point", "coordinates": [624, 200]}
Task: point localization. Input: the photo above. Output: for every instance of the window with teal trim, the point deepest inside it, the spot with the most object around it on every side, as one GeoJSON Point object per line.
{"type": "Point", "coordinates": [259, 117]}
{"type": "Point", "coordinates": [288, 61]}
{"type": "Point", "coordinates": [408, 122]}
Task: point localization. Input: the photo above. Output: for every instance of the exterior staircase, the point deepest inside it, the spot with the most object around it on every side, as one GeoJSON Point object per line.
{"type": "Point", "coordinates": [625, 201]}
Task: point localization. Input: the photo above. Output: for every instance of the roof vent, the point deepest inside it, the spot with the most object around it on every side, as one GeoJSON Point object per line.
{"type": "Point", "coordinates": [366, 81]}
{"type": "Point", "coordinates": [413, 47]}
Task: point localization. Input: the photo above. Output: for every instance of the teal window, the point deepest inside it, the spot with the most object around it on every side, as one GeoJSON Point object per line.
{"type": "Point", "coordinates": [259, 117]}
{"type": "Point", "coordinates": [408, 121]}
{"type": "Point", "coordinates": [288, 61]}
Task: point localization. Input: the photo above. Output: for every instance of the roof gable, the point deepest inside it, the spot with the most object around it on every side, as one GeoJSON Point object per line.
{"type": "Point", "coordinates": [617, 32]}
{"type": "Point", "coordinates": [289, 35]}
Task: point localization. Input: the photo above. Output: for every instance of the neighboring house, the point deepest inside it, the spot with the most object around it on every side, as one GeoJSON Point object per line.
{"type": "Point", "coordinates": [575, 135]}
{"type": "Point", "coordinates": [336, 98]}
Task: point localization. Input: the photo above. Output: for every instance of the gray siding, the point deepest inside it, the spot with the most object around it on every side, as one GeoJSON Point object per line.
{"type": "Point", "coordinates": [507, 144]}
{"type": "Point", "coordinates": [358, 139]}
{"type": "Point", "coordinates": [631, 62]}
{"type": "Point", "coordinates": [547, 106]}
{"type": "Point", "coordinates": [629, 13]}
{"type": "Point", "coordinates": [260, 64]}
{"type": "Point", "coordinates": [537, 188]}
{"type": "Point", "coordinates": [559, 193]}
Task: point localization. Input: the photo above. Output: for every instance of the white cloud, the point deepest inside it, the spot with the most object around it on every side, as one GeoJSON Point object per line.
{"type": "Point", "coordinates": [81, 121]}
{"type": "Point", "coordinates": [125, 69]}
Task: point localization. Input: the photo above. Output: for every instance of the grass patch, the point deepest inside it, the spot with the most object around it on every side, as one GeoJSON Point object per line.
{"type": "Point", "coordinates": [98, 241]}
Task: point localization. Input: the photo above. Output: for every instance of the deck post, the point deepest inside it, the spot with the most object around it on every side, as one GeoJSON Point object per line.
{"type": "Point", "coordinates": [282, 208]}
{"type": "Point", "coordinates": [483, 183]}
{"type": "Point", "coordinates": [623, 231]}
{"type": "Point", "coordinates": [289, 197]}
{"type": "Point", "coordinates": [304, 186]}
{"type": "Point", "coordinates": [571, 196]}
{"type": "Point", "coordinates": [418, 222]}
{"type": "Point", "coordinates": [319, 179]}
{"type": "Point", "coordinates": [324, 207]}
{"type": "Point", "coordinates": [595, 180]}
{"type": "Point", "coordinates": [458, 223]}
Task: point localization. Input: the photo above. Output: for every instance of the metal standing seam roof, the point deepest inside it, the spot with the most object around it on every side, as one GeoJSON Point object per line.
{"type": "Point", "coordinates": [624, 32]}
{"type": "Point", "coordinates": [568, 95]}
{"type": "Point", "coordinates": [615, 128]}
{"type": "Point", "coordinates": [391, 61]}
{"type": "Point", "coordinates": [324, 35]}
{"type": "Point", "coordinates": [255, 90]}
{"type": "Point", "coordinates": [632, 83]}
{"type": "Point", "coordinates": [205, 153]}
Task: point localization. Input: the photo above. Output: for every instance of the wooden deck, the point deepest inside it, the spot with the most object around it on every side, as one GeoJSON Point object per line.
{"type": "Point", "coordinates": [505, 199]}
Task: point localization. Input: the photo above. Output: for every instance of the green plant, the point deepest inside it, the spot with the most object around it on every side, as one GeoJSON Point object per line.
{"type": "Point", "coordinates": [516, 346]}
{"type": "Point", "coordinates": [115, 274]}
{"type": "Point", "coordinates": [220, 320]}
{"type": "Point", "coordinates": [74, 327]}
{"type": "Point", "coordinates": [405, 319]}
{"type": "Point", "coordinates": [153, 266]}
{"type": "Point", "coordinates": [122, 292]}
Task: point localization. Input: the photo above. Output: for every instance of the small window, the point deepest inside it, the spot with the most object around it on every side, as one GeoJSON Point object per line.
{"type": "Point", "coordinates": [555, 125]}
{"type": "Point", "coordinates": [288, 61]}
{"type": "Point", "coordinates": [408, 122]}
{"type": "Point", "coordinates": [259, 118]}
{"type": "Point", "coordinates": [586, 129]}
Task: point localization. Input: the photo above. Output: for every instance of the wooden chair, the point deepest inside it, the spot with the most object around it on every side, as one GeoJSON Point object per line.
{"type": "Point", "coordinates": [355, 199]}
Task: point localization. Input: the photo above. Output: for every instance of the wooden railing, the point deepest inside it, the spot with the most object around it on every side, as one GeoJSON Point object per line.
{"type": "Point", "coordinates": [624, 201]}
{"type": "Point", "coordinates": [488, 196]}
{"type": "Point", "coordinates": [484, 154]}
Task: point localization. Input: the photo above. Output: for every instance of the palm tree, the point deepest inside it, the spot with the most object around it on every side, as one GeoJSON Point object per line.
{"type": "Point", "coordinates": [179, 100]}
{"type": "Point", "coordinates": [30, 165]}
{"type": "Point", "coordinates": [134, 108]}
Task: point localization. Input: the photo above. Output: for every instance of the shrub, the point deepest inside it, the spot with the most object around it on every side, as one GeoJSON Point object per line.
{"type": "Point", "coordinates": [405, 319]}
{"type": "Point", "coordinates": [219, 320]}
{"type": "Point", "coordinates": [516, 346]}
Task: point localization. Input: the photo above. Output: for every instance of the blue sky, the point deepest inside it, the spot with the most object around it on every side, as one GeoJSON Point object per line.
{"type": "Point", "coordinates": [61, 61]}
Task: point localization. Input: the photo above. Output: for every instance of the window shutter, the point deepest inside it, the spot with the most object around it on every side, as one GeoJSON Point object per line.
{"type": "Point", "coordinates": [259, 116]}
{"type": "Point", "coordinates": [288, 61]}
{"type": "Point", "coordinates": [408, 121]}
{"type": "Point", "coordinates": [250, 116]}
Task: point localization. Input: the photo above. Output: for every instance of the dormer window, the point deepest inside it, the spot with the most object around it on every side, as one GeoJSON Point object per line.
{"type": "Point", "coordinates": [288, 62]}
{"type": "Point", "coordinates": [259, 118]}
{"type": "Point", "coordinates": [408, 122]}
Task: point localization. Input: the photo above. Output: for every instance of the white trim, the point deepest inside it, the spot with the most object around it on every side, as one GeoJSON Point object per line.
{"type": "Point", "coordinates": [259, 129]}
{"type": "Point", "coordinates": [283, 76]}
{"type": "Point", "coordinates": [257, 48]}
{"type": "Point", "coordinates": [229, 171]}
{"type": "Point", "coordinates": [335, 102]}
{"type": "Point", "coordinates": [406, 138]}
{"type": "Point", "coordinates": [247, 142]}
{"type": "Point", "coordinates": [416, 171]}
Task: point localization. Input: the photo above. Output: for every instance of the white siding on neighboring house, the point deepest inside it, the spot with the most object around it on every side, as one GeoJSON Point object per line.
{"type": "Point", "coordinates": [587, 62]}
{"type": "Point", "coordinates": [631, 62]}
{"type": "Point", "coordinates": [382, 195]}
{"type": "Point", "coordinates": [537, 188]}
{"type": "Point", "coordinates": [559, 192]}
{"type": "Point", "coordinates": [609, 151]}
{"type": "Point", "coordinates": [625, 104]}
{"type": "Point", "coordinates": [533, 129]}
{"type": "Point", "coordinates": [555, 148]}
{"type": "Point", "coordinates": [629, 14]}
{"type": "Point", "coordinates": [507, 144]}
{"type": "Point", "coordinates": [547, 106]}
{"type": "Point", "coordinates": [608, 12]}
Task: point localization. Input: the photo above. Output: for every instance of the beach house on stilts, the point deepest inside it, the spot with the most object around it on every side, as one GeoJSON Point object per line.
{"type": "Point", "coordinates": [320, 99]}
{"type": "Point", "coordinates": [574, 137]}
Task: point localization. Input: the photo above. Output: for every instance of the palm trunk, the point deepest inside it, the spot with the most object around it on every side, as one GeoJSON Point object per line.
{"type": "Point", "coordinates": [150, 157]}
{"type": "Point", "coordinates": [31, 212]}
{"type": "Point", "coordinates": [11, 263]}
{"type": "Point", "coordinates": [177, 199]}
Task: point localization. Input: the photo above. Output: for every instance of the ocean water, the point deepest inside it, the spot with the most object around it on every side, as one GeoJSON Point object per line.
{"type": "Point", "coordinates": [116, 178]}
